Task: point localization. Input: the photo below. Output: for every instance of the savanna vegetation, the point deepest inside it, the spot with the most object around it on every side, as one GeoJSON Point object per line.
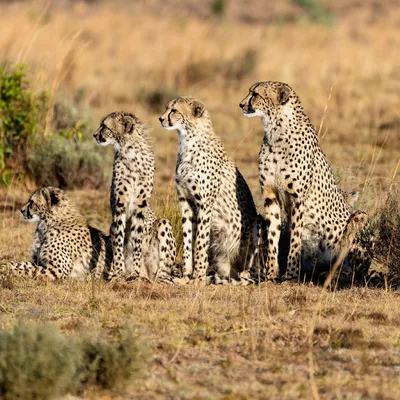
{"type": "Point", "coordinates": [66, 64]}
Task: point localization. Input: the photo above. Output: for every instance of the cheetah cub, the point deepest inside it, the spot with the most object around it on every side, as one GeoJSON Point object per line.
{"type": "Point", "coordinates": [217, 207]}
{"type": "Point", "coordinates": [142, 246]}
{"type": "Point", "coordinates": [64, 245]}
{"type": "Point", "coordinates": [295, 175]}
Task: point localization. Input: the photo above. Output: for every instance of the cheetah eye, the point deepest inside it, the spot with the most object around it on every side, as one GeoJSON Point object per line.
{"type": "Point", "coordinates": [173, 111]}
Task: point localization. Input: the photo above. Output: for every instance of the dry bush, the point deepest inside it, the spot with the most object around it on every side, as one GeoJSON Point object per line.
{"type": "Point", "coordinates": [111, 364]}
{"type": "Point", "coordinates": [68, 164]}
{"type": "Point", "coordinates": [387, 237]}
{"type": "Point", "coordinates": [37, 362]}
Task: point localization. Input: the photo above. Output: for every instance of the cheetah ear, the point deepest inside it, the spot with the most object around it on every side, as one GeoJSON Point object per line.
{"type": "Point", "coordinates": [54, 199]}
{"type": "Point", "coordinates": [198, 109]}
{"type": "Point", "coordinates": [283, 94]}
{"type": "Point", "coordinates": [46, 195]}
{"type": "Point", "coordinates": [128, 123]}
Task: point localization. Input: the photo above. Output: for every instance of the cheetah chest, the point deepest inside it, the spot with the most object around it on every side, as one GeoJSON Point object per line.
{"type": "Point", "coordinates": [271, 166]}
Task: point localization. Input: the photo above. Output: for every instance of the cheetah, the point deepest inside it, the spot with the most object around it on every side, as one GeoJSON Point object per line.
{"type": "Point", "coordinates": [295, 177]}
{"type": "Point", "coordinates": [64, 245]}
{"type": "Point", "coordinates": [218, 211]}
{"type": "Point", "coordinates": [142, 245]}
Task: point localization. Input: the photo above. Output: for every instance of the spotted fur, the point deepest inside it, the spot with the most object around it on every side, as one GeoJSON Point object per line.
{"type": "Point", "coordinates": [142, 246]}
{"type": "Point", "coordinates": [217, 207]}
{"type": "Point", "coordinates": [295, 177]}
{"type": "Point", "coordinates": [64, 245]}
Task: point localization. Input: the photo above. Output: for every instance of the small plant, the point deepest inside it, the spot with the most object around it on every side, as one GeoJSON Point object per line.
{"type": "Point", "coordinates": [315, 11]}
{"type": "Point", "coordinates": [218, 8]}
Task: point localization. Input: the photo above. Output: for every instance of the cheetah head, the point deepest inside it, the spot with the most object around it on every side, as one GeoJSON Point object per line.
{"type": "Point", "coordinates": [41, 203]}
{"type": "Point", "coordinates": [266, 99]}
{"type": "Point", "coordinates": [116, 129]}
{"type": "Point", "coordinates": [182, 113]}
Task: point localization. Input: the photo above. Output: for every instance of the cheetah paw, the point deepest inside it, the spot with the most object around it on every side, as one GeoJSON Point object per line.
{"type": "Point", "coordinates": [185, 280]}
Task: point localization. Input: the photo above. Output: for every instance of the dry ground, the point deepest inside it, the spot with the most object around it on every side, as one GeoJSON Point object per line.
{"type": "Point", "coordinates": [270, 342]}
{"type": "Point", "coordinates": [221, 342]}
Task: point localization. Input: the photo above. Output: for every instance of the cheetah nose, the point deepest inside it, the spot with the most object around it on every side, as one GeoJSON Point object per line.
{"type": "Point", "coordinates": [95, 135]}
{"type": "Point", "coordinates": [161, 119]}
{"type": "Point", "coordinates": [22, 211]}
{"type": "Point", "coordinates": [241, 105]}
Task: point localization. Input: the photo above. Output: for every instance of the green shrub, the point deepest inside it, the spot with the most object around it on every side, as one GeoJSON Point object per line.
{"type": "Point", "coordinates": [20, 114]}
{"type": "Point", "coordinates": [55, 154]}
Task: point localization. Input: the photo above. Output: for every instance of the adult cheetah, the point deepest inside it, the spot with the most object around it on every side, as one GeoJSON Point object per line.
{"type": "Point", "coordinates": [295, 176]}
{"type": "Point", "coordinates": [142, 246]}
{"type": "Point", "coordinates": [64, 245]}
{"type": "Point", "coordinates": [218, 210]}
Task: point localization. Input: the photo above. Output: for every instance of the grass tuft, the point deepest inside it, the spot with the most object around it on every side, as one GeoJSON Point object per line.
{"type": "Point", "coordinates": [112, 364]}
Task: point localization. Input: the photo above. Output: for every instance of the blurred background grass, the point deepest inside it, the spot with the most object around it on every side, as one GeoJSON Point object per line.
{"type": "Point", "coordinates": [99, 56]}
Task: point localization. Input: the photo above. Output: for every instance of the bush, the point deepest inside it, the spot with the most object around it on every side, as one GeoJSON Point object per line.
{"type": "Point", "coordinates": [37, 362]}
{"type": "Point", "coordinates": [54, 155]}
{"type": "Point", "coordinates": [66, 163]}
{"type": "Point", "coordinates": [20, 111]}
{"type": "Point", "coordinates": [387, 237]}
{"type": "Point", "coordinates": [110, 365]}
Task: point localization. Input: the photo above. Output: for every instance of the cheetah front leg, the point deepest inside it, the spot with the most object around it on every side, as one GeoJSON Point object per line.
{"type": "Point", "coordinates": [189, 228]}
{"type": "Point", "coordinates": [296, 229]}
{"type": "Point", "coordinates": [166, 251]}
{"type": "Point", "coordinates": [117, 238]}
{"type": "Point", "coordinates": [273, 224]}
{"type": "Point", "coordinates": [257, 258]}
{"type": "Point", "coordinates": [202, 243]}
{"type": "Point", "coordinates": [134, 265]}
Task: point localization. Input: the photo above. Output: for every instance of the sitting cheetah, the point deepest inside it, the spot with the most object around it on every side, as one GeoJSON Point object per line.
{"type": "Point", "coordinates": [295, 175]}
{"type": "Point", "coordinates": [142, 246]}
{"type": "Point", "coordinates": [64, 245]}
{"type": "Point", "coordinates": [217, 207]}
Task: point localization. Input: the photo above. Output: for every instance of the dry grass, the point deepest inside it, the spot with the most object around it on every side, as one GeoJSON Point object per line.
{"type": "Point", "coordinates": [226, 342]}
{"type": "Point", "coordinates": [222, 342]}
{"type": "Point", "coordinates": [123, 56]}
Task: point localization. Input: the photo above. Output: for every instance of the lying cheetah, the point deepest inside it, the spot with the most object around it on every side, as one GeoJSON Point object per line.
{"type": "Point", "coordinates": [64, 245]}
{"type": "Point", "coordinates": [295, 175]}
{"type": "Point", "coordinates": [142, 246]}
{"type": "Point", "coordinates": [217, 207]}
